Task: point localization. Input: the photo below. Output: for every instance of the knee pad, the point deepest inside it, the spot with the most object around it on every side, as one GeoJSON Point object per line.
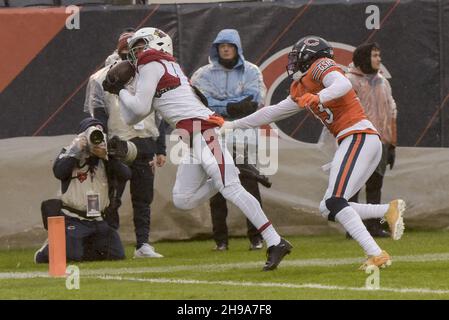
{"type": "Point", "coordinates": [335, 205]}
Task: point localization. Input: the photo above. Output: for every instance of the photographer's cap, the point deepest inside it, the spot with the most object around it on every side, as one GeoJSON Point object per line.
{"type": "Point", "coordinates": [89, 122]}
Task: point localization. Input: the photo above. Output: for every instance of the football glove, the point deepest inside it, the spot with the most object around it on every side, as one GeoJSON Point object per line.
{"type": "Point", "coordinates": [309, 100]}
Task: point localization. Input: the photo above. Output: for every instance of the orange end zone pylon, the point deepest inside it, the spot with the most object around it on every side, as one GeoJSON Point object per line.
{"type": "Point", "coordinates": [56, 246]}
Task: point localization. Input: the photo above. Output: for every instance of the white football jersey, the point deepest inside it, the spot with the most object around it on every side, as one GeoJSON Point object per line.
{"type": "Point", "coordinates": [162, 86]}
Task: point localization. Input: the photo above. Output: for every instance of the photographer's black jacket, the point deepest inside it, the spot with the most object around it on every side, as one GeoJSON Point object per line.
{"type": "Point", "coordinates": [63, 168]}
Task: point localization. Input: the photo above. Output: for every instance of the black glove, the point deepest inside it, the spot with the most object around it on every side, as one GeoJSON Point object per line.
{"type": "Point", "coordinates": [242, 108]}
{"type": "Point", "coordinates": [391, 156]}
{"type": "Point", "coordinates": [250, 171]}
{"type": "Point", "coordinates": [112, 84]}
{"type": "Point", "coordinates": [117, 148]}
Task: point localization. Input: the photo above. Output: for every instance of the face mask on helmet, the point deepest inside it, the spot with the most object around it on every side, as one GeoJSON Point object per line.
{"type": "Point", "coordinates": [139, 46]}
{"type": "Point", "coordinates": [305, 52]}
{"type": "Point", "coordinates": [149, 38]}
{"type": "Point", "coordinates": [297, 62]}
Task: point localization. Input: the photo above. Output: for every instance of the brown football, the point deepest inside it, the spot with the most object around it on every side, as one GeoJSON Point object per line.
{"type": "Point", "coordinates": [123, 71]}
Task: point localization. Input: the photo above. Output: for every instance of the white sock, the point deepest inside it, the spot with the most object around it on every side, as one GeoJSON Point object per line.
{"type": "Point", "coordinates": [270, 236]}
{"type": "Point", "coordinates": [367, 211]}
{"type": "Point", "coordinates": [252, 210]}
{"type": "Point", "coordinates": [351, 221]}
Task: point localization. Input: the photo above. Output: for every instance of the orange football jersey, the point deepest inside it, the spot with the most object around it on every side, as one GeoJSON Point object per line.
{"type": "Point", "coordinates": [337, 114]}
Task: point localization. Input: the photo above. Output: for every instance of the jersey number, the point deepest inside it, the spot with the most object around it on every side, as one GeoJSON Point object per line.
{"type": "Point", "coordinates": [175, 70]}
{"type": "Point", "coordinates": [326, 119]}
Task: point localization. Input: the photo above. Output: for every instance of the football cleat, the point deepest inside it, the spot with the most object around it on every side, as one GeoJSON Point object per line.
{"type": "Point", "coordinates": [39, 256]}
{"type": "Point", "coordinates": [381, 261]}
{"type": "Point", "coordinates": [276, 253]}
{"type": "Point", "coordinates": [394, 218]}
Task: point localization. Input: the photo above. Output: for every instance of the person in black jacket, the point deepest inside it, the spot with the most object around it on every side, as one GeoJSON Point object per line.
{"type": "Point", "coordinates": [86, 173]}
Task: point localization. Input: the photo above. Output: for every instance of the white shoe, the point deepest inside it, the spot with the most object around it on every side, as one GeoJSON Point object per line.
{"type": "Point", "coordinates": [40, 250]}
{"type": "Point", "coordinates": [146, 251]}
{"type": "Point", "coordinates": [394, 218]}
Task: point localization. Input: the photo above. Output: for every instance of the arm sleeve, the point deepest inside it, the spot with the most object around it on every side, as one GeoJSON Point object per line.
{"type": "Point", "coordinates": [269, 114]}
{"type": "Point", "coordinates": [355, 84]}
{"type": "Point", "coordinates": [134, 108]}
{"type": "Point", "coordinates": [336, 86]}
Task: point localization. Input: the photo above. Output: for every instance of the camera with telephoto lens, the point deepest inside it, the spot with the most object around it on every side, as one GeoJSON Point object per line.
{"type": "Point", "coordinates": [95, 136]}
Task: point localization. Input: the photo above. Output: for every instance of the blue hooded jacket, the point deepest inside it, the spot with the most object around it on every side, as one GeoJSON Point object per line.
{"type": "Point", "coordinates": [220, 85]}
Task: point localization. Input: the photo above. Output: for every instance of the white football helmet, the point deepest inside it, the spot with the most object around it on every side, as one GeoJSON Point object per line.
{"type": "Point", "coordinates": [154, 38]}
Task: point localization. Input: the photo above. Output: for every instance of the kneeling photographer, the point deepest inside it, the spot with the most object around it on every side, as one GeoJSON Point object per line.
{"type": "Point", "coordinates": [86, 173]}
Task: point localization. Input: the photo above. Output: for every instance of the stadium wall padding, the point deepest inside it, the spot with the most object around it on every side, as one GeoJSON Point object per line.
{"type": "Point", "coordinates": [420, 177]}
{"type": "Point", "coordinates": [45, 97]}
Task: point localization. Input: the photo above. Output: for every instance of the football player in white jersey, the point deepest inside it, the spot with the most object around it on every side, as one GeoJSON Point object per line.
{"type": "Point", "coordinates": [208, 167]}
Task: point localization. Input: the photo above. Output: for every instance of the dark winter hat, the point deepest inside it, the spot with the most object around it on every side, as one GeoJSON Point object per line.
{"type": "Point", "coordinates": [89, 122]}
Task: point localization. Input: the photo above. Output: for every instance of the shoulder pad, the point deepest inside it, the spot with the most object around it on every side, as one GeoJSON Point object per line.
{"type": "Point", "coordinates": [151, 55]}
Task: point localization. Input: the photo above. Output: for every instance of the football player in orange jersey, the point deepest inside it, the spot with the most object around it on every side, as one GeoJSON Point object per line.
{"type": "Point", "coordinates": [322, 89]}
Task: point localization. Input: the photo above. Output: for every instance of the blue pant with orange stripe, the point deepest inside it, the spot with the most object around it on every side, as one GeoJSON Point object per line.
{"type": "Point", "coordinates": [354, 162]}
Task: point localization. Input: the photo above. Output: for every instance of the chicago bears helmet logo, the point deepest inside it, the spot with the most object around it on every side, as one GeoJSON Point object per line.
{"type": "Point", "coordinates": [312, 42]}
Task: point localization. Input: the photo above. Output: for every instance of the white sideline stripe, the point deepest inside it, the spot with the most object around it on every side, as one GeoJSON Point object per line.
{"type": "Point", "coordinates": [22, 275]}
{"type": "Point", "coordinates": [227, 266]}
{"type": "Point", "coordinates": [259, 264]}
{"type": "Point", "coordinates": [274, 285]}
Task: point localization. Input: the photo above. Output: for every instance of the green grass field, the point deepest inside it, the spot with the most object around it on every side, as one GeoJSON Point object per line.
{"type": "Point", "coordinates": [320, 267]}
